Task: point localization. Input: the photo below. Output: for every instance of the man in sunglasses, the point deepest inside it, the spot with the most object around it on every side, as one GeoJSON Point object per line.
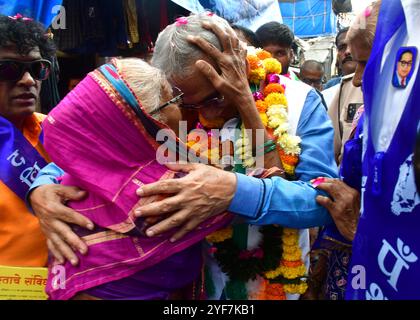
{"type": "Point", "coordinates": [24, 50]}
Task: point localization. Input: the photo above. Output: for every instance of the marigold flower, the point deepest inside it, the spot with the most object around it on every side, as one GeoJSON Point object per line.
{"type": "Point", "coordinates": [263, 54]}
{"type": "Point", "coordinates": [257, 75]}
{"type": "Point", "coordinates": [296, 288]}
{"type": "Point", "coordinates": [272, 65]}
{"type": "Point", "coordinates": [273, 87]}
{"type": "Point", "coordinates": [254, 62]}
{"type": "Point", "coordinates": [264, 119]}
{"type": "Point", "coordinates": [293, 273]}
{"type": "Point", "coordinates": [274, 291]}
{"type": "Point", "coordinates": [220, 236]}
{"type": "Point", "coordinates": [276, 99]}
{"type": "Point", "coordinates": [272, 274]}
{"type": "Point", "coordinates": [293, 256]}
{"type": "Point", "coordinates": [261, 106]}
{"type": "Point", "coordinates": [292, 264]}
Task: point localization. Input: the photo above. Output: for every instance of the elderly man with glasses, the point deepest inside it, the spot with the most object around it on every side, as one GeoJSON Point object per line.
{"type": "Point", "coordinates": [202, 57]}
{"type": "Point", "coordinates": [24, 64]}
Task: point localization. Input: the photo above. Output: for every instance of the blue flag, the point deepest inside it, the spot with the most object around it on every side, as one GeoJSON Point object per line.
{"type": "Point", "coordinates": [39, 10]}
{"type": "Point", "coordinates": [386, 250]}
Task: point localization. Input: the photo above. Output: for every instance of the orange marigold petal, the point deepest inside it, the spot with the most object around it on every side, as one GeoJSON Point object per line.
{"type": "Point", "coordinates": [287, 158]}
{"type": "Point", "coordinates": [291, 264]}
{"type": "Point", "coordinates": [254, 62]}
{"type": "Point", "coordinates": [273, 88]}
{"type": "Point", "coordinates": [263, 54]}
{"type": "Point", "coordinates": [261, 106]}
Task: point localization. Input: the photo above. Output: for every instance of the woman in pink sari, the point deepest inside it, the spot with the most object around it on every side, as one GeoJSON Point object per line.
{"type": "Point", "coordinates": [103, 136]}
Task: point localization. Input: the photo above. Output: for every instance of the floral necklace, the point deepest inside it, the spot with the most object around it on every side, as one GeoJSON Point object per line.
{"type": "Point", "coordinates": [277, 261]}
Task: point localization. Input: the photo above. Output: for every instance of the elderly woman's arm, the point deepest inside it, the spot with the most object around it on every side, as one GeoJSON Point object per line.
{"type": "Point", "coordinates": [47, 199]}
{"type": "Point", "coordinates": [207, 191]}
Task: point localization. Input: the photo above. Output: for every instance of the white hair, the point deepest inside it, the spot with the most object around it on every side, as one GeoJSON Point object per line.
{"type": "Point", "coordinates": [363, 27]}
{"type": "Point", "coordinates": [147, 82]}
{"type": "Point", "coordinates": [173, 54]}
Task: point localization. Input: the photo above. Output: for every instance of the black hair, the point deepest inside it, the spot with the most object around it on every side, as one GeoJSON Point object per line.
{"type": "Point", "coordinates": [26, 35]}
{"type": "Point", "coordinates": [250, 35]}
{"type": "Point", "coordinates": [275, 33]}
{"type": "Point", "coordinates": [404, 52]}
{"type": "Point", "coordinates": [344, 30]}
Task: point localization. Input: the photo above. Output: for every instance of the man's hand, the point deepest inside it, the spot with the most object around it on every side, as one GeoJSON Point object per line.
{"type": "Point", "coordinates": [48, 203]}
{"type": "Point", "coordinates": [344, 206]}
{"type": "Point", "coordinates": [232, 82]}
{"type": "Point", "coordinates": [203, 193]}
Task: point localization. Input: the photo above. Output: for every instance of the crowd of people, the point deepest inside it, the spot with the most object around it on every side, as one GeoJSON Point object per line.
{"type": "Point", "coordinates": [215, 171]}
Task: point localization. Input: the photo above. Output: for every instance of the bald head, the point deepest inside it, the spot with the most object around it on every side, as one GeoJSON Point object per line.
{"type": "Point", "coordinates": [312, 73]}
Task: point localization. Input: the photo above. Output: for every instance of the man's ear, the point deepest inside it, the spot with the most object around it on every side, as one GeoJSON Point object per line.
{"type": "Point", "coordinates": [291, 56]}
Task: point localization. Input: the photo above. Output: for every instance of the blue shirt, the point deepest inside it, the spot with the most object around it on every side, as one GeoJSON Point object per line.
{"type": "Point", "coordinates": [332, 83]}
{"type": "Point", "coordinates": [276, 200]}
{"type": "Point", "coordinates": [292, 203]}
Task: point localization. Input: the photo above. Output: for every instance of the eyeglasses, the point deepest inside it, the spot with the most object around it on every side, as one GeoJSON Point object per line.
{"type": "Point", "coordinates": [177, 96]}
{"type": "Point", "coordinates": [216, 101]}
{"type": "Point", "coordinates": [405, 64]}
{"type": "Point", "coordinates": [12, 70]}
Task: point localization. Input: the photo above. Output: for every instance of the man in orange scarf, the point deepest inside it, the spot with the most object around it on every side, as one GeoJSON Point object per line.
{"type": "Point", "coordinates": [23, 50]}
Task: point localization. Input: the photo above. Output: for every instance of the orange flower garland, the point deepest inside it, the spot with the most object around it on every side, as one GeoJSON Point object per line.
{"type": "Point", "coordinates": [272, 105]}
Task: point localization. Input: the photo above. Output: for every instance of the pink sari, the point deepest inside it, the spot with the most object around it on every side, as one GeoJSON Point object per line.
{"type": "Point", "coordinates": [96, 138]}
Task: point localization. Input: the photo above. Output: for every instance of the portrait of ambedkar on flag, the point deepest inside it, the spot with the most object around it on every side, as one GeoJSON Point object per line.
{"type": "Point", "coordinates": [404, 67]}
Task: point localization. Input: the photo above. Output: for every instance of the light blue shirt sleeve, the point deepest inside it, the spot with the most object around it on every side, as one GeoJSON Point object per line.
{"type": "Point", "coordinates": [292, 204]}
{"type": "Point", "coordinates": [48, 175]}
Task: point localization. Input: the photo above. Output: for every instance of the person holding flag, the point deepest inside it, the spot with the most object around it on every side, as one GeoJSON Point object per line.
{"type": "Point", "coordinates": [24, 50]}
{"type": "Point", "coordinates": [385, 262]}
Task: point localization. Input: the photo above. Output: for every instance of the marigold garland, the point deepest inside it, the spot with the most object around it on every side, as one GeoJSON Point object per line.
{"type": "Point", "coordinates": [278, 259]}
{"type": "Point", "coordinates": [262, 54]}
{"type": "Point", "coordinates": [220, 236]}
{"type": "Point", "coordinates": [272, 88]}
{"type": "Point", "coordinates": [261, 106]}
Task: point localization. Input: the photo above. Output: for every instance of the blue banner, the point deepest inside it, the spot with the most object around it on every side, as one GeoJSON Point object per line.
{"type": "Point", "coordinates": [386, 250]}
{"type": "Point", "coordinates": [40, 10]}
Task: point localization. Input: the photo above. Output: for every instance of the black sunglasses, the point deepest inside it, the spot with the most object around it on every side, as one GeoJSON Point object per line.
{"type": "Point", "coordinates": [13, 70]}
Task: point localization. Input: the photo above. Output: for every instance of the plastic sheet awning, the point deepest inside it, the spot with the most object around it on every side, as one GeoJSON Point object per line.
{"type": "Point", "coordinates": [309, 18]}
{"type": "Point", "coordinates": [248, 13]}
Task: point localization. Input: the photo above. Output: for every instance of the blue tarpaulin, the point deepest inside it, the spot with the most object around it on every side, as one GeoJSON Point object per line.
{"type": "Point", "coordinates": [248, 13]}
{"type": "Point", "coordinates": [309, 18]}
{"type": "Point", "coordinates": [40, 10]}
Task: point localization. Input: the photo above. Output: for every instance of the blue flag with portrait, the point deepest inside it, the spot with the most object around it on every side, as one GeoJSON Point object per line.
{"type": "Point", "coordinates": [386, 250]}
